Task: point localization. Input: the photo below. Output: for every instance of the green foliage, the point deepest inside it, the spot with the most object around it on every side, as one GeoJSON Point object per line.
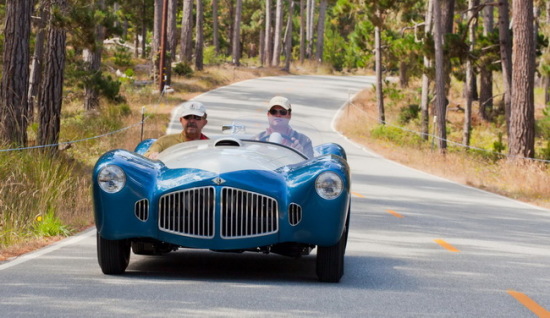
{"type": "Point", "coordinates": [183, 69]}
{"type": "Point", "coordinates": [396, 135]}
{"type": "Point", "coordinates": [50, 225]}
{"type": "Point", "coordinates": [545, 152]}
{"type": "Point", "coordinates": [408, 113]}
{"type": "Point", "coordinates": [543, 124]}
{"type": "Point", "coordinates": [122, 56]}
{"type": "Point", "coordinates": [210, 57]}
{"type": "Point", "coordinates": [499, 146]}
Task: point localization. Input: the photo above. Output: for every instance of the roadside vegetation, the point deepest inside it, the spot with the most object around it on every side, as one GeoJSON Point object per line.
{"type": "Point", "coordinates": [484, 165]}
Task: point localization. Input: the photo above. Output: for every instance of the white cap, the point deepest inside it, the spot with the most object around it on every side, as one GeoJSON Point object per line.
{"type": "Point", "coordinates": [280, 101]}
{"type": "Point", "coordinates": [191, 108]}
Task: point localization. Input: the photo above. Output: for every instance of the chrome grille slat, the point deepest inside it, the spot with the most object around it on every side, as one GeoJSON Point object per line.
{"type": "Point", "coordinates": [247, 214]}
{"type": "Point", "coordinates": [189, 212]}
{"type": "Point", "coordinates": [141, 210]}
{"type": "Point", "coordinates": [294, 214]}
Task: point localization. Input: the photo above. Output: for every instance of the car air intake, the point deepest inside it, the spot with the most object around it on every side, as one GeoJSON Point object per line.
{"type": "Point", "coordinates": [141, 209]}
{"type": "Point", "coordinates": [294, 214]}
{"type": "Point", "coordinates": [247, 214]}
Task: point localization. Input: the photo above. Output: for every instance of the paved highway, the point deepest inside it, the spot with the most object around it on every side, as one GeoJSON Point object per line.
{"type": "Point", "coordinates": [419, 246]}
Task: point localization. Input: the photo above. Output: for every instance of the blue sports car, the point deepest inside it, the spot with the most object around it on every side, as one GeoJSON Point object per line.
{"type": "Point", "coordinates": [230, 193]}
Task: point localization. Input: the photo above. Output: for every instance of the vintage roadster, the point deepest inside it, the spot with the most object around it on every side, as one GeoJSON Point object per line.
{"type": "Point", "coordinates": [230, 193]}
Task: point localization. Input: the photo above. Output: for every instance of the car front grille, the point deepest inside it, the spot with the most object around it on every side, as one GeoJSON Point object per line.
{"type": "Point", "coordinates": [242, 213]}
{"type": "Point", "coordinates": [189, 212]}
{"type": "Point", "coordinates": [247, 214]}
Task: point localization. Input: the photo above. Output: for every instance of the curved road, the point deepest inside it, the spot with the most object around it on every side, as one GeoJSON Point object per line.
{"type": "Point", "coordinates": [419, 246]}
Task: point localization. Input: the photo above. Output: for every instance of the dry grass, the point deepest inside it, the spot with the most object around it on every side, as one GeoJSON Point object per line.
{"type": "Point", "coordinates": [526, 182]}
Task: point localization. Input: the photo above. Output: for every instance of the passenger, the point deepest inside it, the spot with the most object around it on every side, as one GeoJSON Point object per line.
{"type": "Point", "coordinates": [278, 116]}
{"type": "Point", "coordinates": [192, 116]}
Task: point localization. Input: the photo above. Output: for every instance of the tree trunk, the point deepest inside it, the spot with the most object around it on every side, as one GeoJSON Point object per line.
{"type": "Point", "coordinates": [302, 30]}
{"type": "Point", "coordinates": [236, 52]}
{"type": "Point", "coordinates": [321, 31]}
{"type": "Point", "coordinates": [268, 40]}
{"type": "Point", "coordinates": [522, 115]}
{"type": "Point", "coordinates": [546, 78]}
{"type": "Point", "coordinates": [379, 81]}
{"type": "Point", "coordinates": [199, 45]}
{"type": "Point", "coordinates": [425, 78]}
{"type": "Point", "coordinates": [485, 72]}
{"type": "Point", "coordinates": [403, 74]}
{"type": "Point", "coordinates": [155, 46]}
{"type": "Point", "coordinates": [277, 36]}
{"type": "Point", "coordinates": [505, 57]}
{"type": "Point", "coordinates": [92, 58]}
{"type": "Point", "coordinates": [37, 61]}
{"type": "Point", "coordinates": [15, 76]}
{"type": "Point", "coordinates": [440, 90]}
{"type": "Point", "coordinates": [172, 39]}
{"type": "Point", "coordinates": [447, 21]}
{"type": "Point", "coordinates": [288, 37]}
{"type": "Point", "coordinates": [309, 28]}
{"type": "Point", "coordinates": [143, 30]}
{"type": "Point", "coordinates": [51, 91]}
{"type": "Point", "coordinates": [470, 74]}
{"type": "Point", "coordinates": [215, 27]}
{"type": "Point", "coordinates": [186, 35]}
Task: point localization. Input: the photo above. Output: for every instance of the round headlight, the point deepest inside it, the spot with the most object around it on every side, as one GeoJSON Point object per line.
{"type": "Point", "coordinates": [111, 179]}
{"type": "Point", "coordinates": [329, 185]}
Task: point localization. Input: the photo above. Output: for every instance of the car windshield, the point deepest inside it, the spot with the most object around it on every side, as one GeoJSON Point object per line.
{"type": "Point", "coordinates": [250, 127]}
{"type": "Point", "coordinates": [237, 148]}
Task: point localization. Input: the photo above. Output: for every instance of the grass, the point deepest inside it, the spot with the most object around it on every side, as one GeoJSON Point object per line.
{"type": "Point", "coordinates": [526, 181]}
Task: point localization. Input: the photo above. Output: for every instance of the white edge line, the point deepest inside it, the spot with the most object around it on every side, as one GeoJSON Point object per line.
{"type": "Point", "coordinates": [43, 251]}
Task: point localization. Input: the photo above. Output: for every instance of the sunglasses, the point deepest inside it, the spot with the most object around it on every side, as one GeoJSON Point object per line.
{"type": "Point", "coordinates": [195, 117]}
{"type": "Point", "coordinates": [282, 112]}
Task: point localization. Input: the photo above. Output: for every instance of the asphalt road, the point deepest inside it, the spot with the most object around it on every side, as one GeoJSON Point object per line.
{"type": "Point", "coordinates": [419, 246]}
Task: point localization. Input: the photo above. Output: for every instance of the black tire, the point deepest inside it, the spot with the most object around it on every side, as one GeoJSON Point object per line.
{"type": "Point", "coordinates": [113, 256]}
{"type": "Point", "coordinates": [330, 259]}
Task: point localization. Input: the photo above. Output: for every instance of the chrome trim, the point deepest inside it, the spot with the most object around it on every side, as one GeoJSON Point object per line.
{"type": "Point", "coordinates": [141, 210]}
{"type": "Point", "coordinates": [247, 214]}
{"type": "Point", "coordinates": [188, 212]}
{"type": "Point", "coordinates": [294, 214]}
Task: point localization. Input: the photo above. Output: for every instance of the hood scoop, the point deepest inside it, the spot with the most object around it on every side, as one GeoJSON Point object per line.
{"type": "Point", "coordinates": [228, 141]}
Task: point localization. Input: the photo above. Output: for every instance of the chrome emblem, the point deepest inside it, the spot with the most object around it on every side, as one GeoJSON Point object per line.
{"type": "Point", "coordinates": [218, 180]}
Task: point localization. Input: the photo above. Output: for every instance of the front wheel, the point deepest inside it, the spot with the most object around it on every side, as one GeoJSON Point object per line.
{"type": "Point", "coordinates": [113, 255]}
{"type": "Point", "coordinates": [330, 259]}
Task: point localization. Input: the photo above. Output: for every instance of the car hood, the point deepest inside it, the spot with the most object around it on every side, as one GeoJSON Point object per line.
{"type": "Point", "coordinates": [229, 154]}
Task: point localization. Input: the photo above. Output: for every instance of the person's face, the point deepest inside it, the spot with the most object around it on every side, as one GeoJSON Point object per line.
{"type": "Point", "coordinates": [192, 125]}
{"type": "Point", "coordinates": [278, 117]}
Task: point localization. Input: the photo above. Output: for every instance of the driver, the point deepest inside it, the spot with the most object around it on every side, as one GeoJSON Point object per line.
{"type": "Point", "coordinates": [192, 116]}
{"type": "Point", "coordinates": [278, 116]}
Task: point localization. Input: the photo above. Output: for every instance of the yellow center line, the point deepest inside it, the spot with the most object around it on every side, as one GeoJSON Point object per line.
{"type": "Point", "coordinates": [530, 304]}
{"type": "Point", "coordinates": [358, 195]}
{"type": "Point", "coordinates": [397, 215]}
{"type": "Point", "coordinates": [447, 246]}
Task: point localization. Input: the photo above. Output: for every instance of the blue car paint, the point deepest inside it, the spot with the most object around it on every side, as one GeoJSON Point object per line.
{"type": "Point", "coordinates": [322, 224]}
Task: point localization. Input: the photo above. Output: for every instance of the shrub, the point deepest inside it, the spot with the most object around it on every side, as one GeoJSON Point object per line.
{"type": "Point", "coordinates": [408, 113]}
{"type": "Point", "coordinates": [122, 57]}
{"type": "Point", "coordinates": [182, 69]}
{"type": "Point", "coordinates": [396, 135]}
